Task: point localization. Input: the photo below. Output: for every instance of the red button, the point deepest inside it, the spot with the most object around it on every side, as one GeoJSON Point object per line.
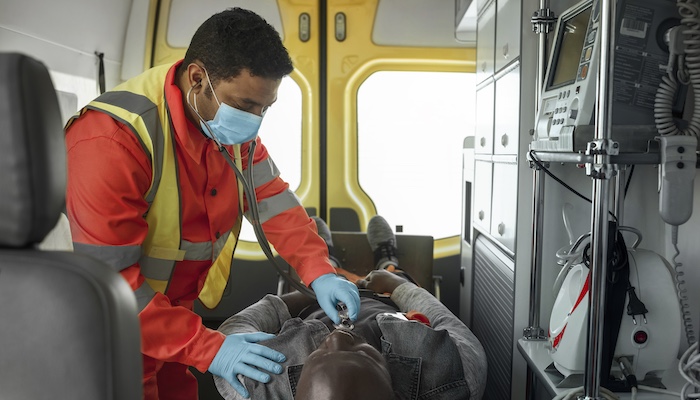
{"type": "Point", "coordinates": [640, 337]}
{"type": "Point", "coordinates": [584, 72]}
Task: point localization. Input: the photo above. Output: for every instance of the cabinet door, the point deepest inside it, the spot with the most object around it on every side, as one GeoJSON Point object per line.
{"type": "Point", "coordinates": [485, 43]}
{"type": "Point", "coordinates": [482, 195]}
{"type": "Point", "coordinates": [504, 203]}
{"type": "Point", "coordinates": [507, 33]}
{"type": "Point", "coordinates": [507, 121]}
{"type": "Point", "coordinates": [484, 120]}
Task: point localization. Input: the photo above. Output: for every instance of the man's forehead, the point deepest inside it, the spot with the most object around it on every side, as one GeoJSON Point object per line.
{"type": "Point", "coordinates": [248, 88]}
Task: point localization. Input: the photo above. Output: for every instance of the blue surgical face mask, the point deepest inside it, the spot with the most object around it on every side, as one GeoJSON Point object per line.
{"type": "Point", "coordinates": [230, 125]}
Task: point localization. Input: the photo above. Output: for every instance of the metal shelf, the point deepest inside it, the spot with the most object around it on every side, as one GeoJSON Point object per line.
{"type": "Point", "coordinates": [538, 359]}
{"type": "Point", "coordinates": [580, 158]}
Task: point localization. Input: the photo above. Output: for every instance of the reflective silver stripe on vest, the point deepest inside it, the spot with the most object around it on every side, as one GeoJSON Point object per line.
{"type": "Point", "coordinates": [275, 205]}
{"type": "Point", "coordinates": [159, 269]}
{"type": "Point", "coordinates": [156, 268]}
{"type": "Point", "coordinates": [118, 257]}
{"type": "Point", "coordinates": [144, 294]}
{"type": "Point", "coordinates": [219, 244]}
{"type": "Point", "coordinates": [202, 251]}
{"type": "Point", "coordinates": [148, 111]}
{"type": "Point", "coordinates": [264, 172]}
{"type": "Point", "coordinates": [196, 251]}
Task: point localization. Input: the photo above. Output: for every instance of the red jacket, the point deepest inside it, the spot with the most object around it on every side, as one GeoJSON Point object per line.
{"type": "Point", "coordinates": [108, 175]}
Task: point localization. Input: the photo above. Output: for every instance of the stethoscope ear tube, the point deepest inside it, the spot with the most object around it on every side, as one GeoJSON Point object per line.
{"type": "Point", "coordinates": [254, 217]}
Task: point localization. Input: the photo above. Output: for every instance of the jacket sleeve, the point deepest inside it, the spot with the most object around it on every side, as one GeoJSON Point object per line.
{"type": "Point", "coordinates": [284, 219]}
{"type": "Point", "coordinates": [267, 315]}
{"type": "Point", "coordinates": [410, 297]}
{"type": "Point", "coordinates": [108, 174]}
{"type": "Point", "coordinates": [176, 334]}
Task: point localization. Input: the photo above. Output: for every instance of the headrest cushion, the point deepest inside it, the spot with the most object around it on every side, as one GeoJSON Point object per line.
{"type": "Point", "coordinates": [32, 152]}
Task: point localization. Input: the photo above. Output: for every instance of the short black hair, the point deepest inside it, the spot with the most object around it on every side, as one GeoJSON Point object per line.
{"type": "Point", "coordinates": [237, 39]}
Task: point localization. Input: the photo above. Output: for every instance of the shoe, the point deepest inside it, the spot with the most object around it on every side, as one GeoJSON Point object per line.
{"type": "Point", "coordinates": [325, 233]}
{"type": "Point", "coordinates": [383, 242]}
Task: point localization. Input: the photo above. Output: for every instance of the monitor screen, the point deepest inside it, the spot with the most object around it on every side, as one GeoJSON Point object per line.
{"type": "Point", "coordinates": [567, 50]}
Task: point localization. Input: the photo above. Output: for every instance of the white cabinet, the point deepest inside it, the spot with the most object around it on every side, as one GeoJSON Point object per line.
{"type": "Point", "coordinates": [504, 203]}
{"type": "Point", "coordinates": [484, 119]}
{"type": "Point", "coordinates": [507, 46]}
{"type": "Point", "coordinates": [482, 195]}
{"type": "Point", "coordinates": [485, 43]}
{"type": "Point", "coordinates": [507, 114]}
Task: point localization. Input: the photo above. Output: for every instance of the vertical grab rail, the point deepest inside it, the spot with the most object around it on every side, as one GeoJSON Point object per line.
{"type": "Point", "coordinates": [541, 21]}
{"type": "Point", "coordinates": [600, 170]}
{"type": "Point", "coordinates": [534, 331]}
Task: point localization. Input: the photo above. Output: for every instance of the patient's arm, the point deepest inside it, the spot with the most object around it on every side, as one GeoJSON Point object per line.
{"type": "Point", "coordinates": [381, 281]}
{"type": "Point", "coordinates": [297, 301]}
{"type": "Point", "coordinates": [267, 315]}
{"type": "Point", "coordinates": [408, 296]}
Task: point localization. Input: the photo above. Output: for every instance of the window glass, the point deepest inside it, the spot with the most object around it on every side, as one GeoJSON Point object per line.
{"type": "Point", "coordinates": [280, 132]}
{"type": "Point", "coordinates": [411, 127]}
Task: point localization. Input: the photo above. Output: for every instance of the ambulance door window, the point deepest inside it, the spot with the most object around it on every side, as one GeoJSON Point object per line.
{"type": "Point", "coordinates": [411, 126]}
{"type": "Point", "coordinates": [281, 132]}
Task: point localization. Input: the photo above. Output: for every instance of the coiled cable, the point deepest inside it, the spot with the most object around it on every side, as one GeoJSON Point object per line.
{"type": "Point", "coordinates": [683, 68]}
{"type": "Point", "coordinates": [681, 290]}
{"type": "Point", "coordinates": [689, 368]}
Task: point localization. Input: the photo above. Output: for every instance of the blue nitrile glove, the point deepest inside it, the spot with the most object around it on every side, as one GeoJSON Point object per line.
{"type": "Point", "coordinates": [239, 354]}
{"type": "Point", "coordinates": [330, 289]}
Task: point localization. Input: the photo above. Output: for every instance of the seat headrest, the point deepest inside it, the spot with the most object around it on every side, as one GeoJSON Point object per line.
{"type": "Point", "coordinates": [32, 152]}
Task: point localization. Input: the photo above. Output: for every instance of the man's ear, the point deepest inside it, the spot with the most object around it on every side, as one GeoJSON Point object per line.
{"type": "Point", "coordinates": [195, 74]}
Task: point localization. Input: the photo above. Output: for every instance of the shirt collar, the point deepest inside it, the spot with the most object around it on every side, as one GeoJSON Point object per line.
{"type": "Point", "coordinates": [186, 133]}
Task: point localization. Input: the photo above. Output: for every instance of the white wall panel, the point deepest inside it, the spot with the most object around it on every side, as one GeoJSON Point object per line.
{"type": "Point", "coordinates": [65, 34]}
{"type": "Point", "coordinates": [422, 24]}
{"type": "Point", "coordinates": [184, 19]}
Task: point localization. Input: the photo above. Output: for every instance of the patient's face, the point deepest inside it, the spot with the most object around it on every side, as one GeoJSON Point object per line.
{"type": "Point", "coordinates": [344, 366]}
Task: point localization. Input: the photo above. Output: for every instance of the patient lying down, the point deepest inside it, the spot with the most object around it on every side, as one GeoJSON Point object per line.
{"type": "Point", "coordinates": [405, 344]}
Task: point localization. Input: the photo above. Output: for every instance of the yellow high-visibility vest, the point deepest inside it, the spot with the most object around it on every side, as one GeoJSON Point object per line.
{"type": "Point", "coordinates": [140, 104]}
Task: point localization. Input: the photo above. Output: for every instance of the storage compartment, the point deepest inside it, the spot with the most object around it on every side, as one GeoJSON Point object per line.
{"type": "Point", "coordinates": [506, 133]}
{"type": "Point", "coordinates": [485, 43]}
{"type": "Point", "coordinates": [484, 119]}
{"type": "Point", "coordinates": [482, 195]}
{"type": "Point", "coordinates": [504, 204]}
{"type": "Point", "coordinates": [507, 33]}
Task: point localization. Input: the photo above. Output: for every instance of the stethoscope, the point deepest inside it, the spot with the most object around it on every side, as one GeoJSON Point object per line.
{"type": "Point", "coordinates": [249, 191]}
{"type": "Point", "coordinates": [254, 215]}
{"type": "Point", "coordinates": [254, 219]}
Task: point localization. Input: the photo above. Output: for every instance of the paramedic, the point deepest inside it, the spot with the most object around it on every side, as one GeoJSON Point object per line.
{"type": "Point", "coordinates": [150, 193]}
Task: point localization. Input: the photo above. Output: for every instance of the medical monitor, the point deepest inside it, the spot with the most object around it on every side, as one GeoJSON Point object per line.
{"type": "Point", "coordinates": [565, 120]}
{"type": "Point", "coordinates": [570, 41]}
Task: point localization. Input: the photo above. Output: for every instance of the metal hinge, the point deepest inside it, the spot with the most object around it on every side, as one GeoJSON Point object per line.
{"type": "Point", "coordinates": [604, 147]}
{"type": "Point", "coordinates": [542, 20]}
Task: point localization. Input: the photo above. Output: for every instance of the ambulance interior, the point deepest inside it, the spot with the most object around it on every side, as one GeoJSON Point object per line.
{"type": "Point", "coordinates": [576, 257]}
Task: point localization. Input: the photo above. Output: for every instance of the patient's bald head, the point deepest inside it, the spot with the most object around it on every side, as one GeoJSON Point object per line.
{"type": "Point", "coordinates": [344, 367]}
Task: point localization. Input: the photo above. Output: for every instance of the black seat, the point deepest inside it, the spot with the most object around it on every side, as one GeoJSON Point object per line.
{"type": "Point", "coordinates": [68, 323]}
